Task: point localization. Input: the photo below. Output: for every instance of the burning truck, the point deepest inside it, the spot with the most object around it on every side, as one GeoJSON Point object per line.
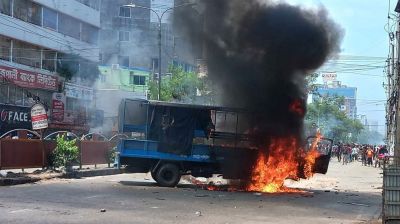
{"type": "Point", "coordinates": [258, 54]}
{"type": "Point", "coordinates": [173, 139]}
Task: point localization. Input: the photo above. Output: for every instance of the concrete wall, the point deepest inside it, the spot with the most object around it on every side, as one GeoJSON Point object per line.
{"type": "Point", "coordinates": [74, 9]}
{"type": "Point", "coordinates": [20, 30]}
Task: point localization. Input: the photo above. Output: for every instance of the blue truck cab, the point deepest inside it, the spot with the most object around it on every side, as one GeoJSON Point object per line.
{"type": "Point", "coordinates": [173, 139]}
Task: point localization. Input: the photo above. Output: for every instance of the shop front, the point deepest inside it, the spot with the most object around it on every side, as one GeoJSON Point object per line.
{"type": "Point", "coordinates": [14, 117]}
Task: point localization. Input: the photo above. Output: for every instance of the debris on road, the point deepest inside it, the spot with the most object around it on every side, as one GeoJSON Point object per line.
{"type": "Point", "coordinates": [202, 195]}
{"type": "Point", "coordinates": [198, 213]}
{"type": "Point", "coordinates": [353, 203]}
{"type": "Point", "coordinates": [102, 210]}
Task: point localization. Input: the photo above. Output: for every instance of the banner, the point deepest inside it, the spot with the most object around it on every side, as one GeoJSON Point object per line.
{"type": "Point", "coordinates": [78, 91]}
{"type": "Point", "coordinates": [329, 76]}
{"type": "Point", "coordinates": [14, 117]}
{"type": "Point", "coordinates": [28, 79]}
{"type": "Point", "coordinates": [39, 117]}
{"type": "Point", "coordinates": [58, 104]}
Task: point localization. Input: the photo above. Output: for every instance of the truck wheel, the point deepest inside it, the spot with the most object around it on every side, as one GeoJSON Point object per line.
{"type": "Point", "coordinates": [168, 175]}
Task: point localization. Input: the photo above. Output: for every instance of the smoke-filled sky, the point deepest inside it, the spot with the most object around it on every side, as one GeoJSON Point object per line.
{"type": "Point", "coordinates": [365, 43]}
{"type": "Point", "coordinates": [259, 54]}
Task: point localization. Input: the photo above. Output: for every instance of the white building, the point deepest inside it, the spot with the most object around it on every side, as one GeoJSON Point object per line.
{"type": "Point", "coordinates": [35, 36]}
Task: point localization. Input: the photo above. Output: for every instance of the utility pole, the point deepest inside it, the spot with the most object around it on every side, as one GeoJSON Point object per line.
{"type": "Point", "coordinates": [397, 89]}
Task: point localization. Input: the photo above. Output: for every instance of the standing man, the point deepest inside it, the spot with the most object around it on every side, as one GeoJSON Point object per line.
{"type": "Point", "coordinates": [370, 156]}
{"type": "Point", "coordinates": [346, 154]}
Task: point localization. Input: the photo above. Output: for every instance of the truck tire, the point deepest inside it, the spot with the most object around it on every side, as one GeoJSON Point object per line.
{"type": "Point", "coordinates": [168, 175]}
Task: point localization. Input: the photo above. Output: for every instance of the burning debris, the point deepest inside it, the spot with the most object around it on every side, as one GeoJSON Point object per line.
{"type": "Point", "coordinates": [259, 53]}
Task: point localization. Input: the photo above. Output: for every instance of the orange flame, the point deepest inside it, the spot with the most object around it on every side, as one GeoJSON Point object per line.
{"type": "Point", "coordinates": [311, 156]}
{"type": "Point", "coordinates": [270, 172]}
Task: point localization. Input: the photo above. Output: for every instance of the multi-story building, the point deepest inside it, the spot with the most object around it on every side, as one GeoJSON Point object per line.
{"type": "Point", "coordinates": [337, 89]}
{"type": "Point", "coordinates": [129, 36]}
{"type": "Point", "coordinates": [37, 39]}
{"type": "Point", "coordinates": [115, 84]}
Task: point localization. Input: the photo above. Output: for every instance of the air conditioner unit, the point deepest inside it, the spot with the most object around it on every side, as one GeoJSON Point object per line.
{"type": "Point", "coordinates": [115, 66]}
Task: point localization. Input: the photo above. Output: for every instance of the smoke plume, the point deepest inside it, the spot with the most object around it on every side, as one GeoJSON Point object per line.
{"type": "Point", "coordinates": [259, 54]}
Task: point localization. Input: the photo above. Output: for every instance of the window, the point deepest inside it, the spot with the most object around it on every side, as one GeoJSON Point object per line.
{"type": "Point", "coordinates": [28, 11]}
{"type": "Point", "coordinates": [3, 93]}
{"type": "Point", "coordinates": [125, 12]}
{"type": "Point", "coordinates": [49, 19]}
{"type": "Point", "coordinates": [69, 26]}
{"type": "Point", "coordinates": [5, 48]}
{"type": "Point", "coordinates": [26, 54]}
{"type": "Point", "coordinates": [123, 61]}
{"type": "Point", "coordinates": [11, 94]}
{"type": "Point", "coordinates": [49, 60]}
{"type": "Point", "coordinates": [103, 78]}
{"type": "Point", "coordinates": [89, 33]}
{"type": "Point", "coordinates": [94, 4]}
{"type": "Point", "coordinates": [124, 35]}
{"type": "Point", "coordinates": [19, 96]}
{"type": "Point", "coordinates": [137, 80]}
{"type": "Point", "coordinates": [5, 7]}
{"type": "Point", "coordinates": [154, 63]}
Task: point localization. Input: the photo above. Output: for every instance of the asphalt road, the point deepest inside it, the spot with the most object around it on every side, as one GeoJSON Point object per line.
{"type": "Point", "coordinates": [347, 194]}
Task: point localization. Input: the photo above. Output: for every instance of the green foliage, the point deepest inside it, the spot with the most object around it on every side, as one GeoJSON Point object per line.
{"type": "Point", "coordinates": [311, 82]}
{"type": "Point", "coordinates": [333, 122]}
{"type": "Point", "coordinates": [66, 152]}
{"type": "Point", "coordinates": [179, 86]}
{"type": "Point", "coordinates": [111, 155]}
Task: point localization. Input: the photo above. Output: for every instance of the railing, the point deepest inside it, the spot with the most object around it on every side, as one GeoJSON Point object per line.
{"type": "Point", "coordinates": [35, 153]}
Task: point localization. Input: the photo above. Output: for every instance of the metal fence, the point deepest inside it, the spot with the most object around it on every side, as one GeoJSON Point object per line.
{"type": "Point", "coordinates": [35, 153]}
{"type": "Point", "coordinates": [391, 191]}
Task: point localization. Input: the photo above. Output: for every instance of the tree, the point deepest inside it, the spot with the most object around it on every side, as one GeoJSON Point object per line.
{"type": "Point", "coordinates": [332, 122]}
{"type": "Point", "coordinates": [180, 86]}
{"type": "Point", "coordinates": [311, 82]}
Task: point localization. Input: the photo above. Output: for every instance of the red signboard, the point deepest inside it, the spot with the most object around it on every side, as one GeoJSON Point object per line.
{"type": "Point", "coordinates": [58, 105]}
{"type": "Point", "coordinates": [29, 79]}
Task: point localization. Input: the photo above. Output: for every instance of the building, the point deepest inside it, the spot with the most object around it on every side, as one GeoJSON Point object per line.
{"type": "Point", "coordinates": [39, 39]}
{"type": "Point", "coordinates": [115, 84]}
{"type": "Point", "coordinates": [129, 36]}
{"type": "Point", "coordinates": [335, 88]}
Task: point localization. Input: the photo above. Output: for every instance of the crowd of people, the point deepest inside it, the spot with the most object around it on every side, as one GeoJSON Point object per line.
{"type": "Point", "coordinates": [368, 155]}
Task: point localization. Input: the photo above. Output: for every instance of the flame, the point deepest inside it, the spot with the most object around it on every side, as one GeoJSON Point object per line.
{"type": "Point", "coordinates": [270, 171]}
{"type": "Point", "coordinates": [311, 156]}
{"type": "Point", "coordinates": [283, 161]}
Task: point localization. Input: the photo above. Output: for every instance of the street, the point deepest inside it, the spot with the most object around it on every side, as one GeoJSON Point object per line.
{"type": "Point", "coordinates": [347, 194]}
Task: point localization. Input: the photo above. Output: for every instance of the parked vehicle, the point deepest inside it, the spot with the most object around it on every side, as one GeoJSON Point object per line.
{"type": "Point", "coordinates": [172, 139]}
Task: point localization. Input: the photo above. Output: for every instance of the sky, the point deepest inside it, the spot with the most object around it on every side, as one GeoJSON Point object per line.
{"type": "Point", "coordinates": [364, 50]}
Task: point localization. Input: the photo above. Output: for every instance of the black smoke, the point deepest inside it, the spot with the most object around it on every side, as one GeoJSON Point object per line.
{"type": "Point", "coordinates": [259, 53]}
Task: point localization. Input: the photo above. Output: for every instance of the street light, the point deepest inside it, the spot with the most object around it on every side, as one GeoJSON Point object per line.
{"type": "Point", "coordinates": [159, 36]}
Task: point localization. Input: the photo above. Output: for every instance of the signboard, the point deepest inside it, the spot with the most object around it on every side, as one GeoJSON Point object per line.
{"type": "Point", "coordinates": [58, 104]}
{"type": "Point", "coordinates": [329, 76]}
{"type": "Point", "coordinates": [78, 91]}
{"type": "Point", "coordinates": [39, 117]}
{"type": "Point", "coordinates": [14, 117]}
{"type": "Point", "coordinates": [28, 79]}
